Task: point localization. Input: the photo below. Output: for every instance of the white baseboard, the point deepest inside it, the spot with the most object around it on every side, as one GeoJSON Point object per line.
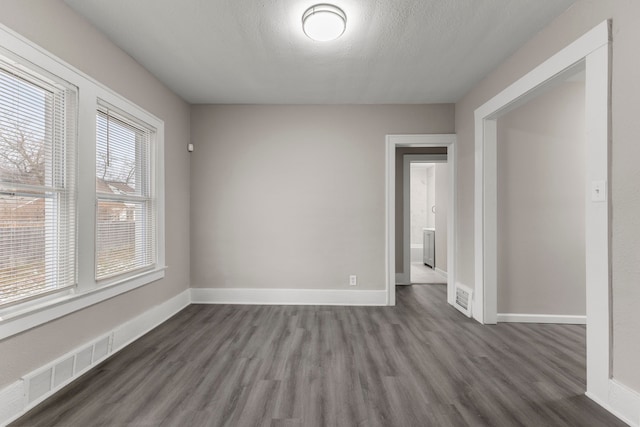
{"type": "Point", "coordinates": [541, 318]}
{"type": "Point", "coordinates": [622, 402]}
{"type": "Point", "coordinates": [130, 331]}
{"type": "Point", "coordinates": [12, 400]}
{"type": "Point", "coordinates": [441, 272]}
{"type": "Point", "coordinates": [16, 399]}
{"type": "Point", "coordinates": [288, 296]}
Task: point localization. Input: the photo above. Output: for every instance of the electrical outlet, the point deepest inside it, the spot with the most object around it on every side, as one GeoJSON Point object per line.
{"type": "Point", "coordinates": [353, 280]}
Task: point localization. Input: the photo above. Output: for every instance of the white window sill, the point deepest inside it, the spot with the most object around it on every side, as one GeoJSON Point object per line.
{"type": "Point", "coordinates": [37, 314]}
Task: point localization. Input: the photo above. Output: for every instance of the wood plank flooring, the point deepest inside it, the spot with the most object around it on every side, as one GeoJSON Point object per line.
{"type": "Point", "coordinates": [420, 363]}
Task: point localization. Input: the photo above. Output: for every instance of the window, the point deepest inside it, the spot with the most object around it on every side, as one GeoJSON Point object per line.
{"type": "Point", "coordinates": [125, 235]}
{"type": "Point", "coordinates": [37, 184]}
{"type": "Point", "coordinates": [81, 189]}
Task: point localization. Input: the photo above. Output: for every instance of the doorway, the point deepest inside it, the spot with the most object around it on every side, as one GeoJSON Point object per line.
{"type": "Point", "coordinates": [592, 51]}
{"type": "Point", "coordinates": [395, 265]}
{"type": "Point", "coordinates": [425, 203]}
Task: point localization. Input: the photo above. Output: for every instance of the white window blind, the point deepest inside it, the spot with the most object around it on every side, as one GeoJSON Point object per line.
{"type": "Point", "coordinates": [126, 218]}
{"type": "Point", "coordinates": [37, 184]}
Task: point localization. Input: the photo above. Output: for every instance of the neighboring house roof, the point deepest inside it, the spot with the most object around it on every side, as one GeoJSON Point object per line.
{"type": "Point", "coordinates": [122, 188]}
{"type": "Point", "coordinates": [103, 186]}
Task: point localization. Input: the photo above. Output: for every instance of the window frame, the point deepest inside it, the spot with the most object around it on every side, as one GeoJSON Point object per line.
{"type": "Point", "coordinates": [88, 291]}
{"type": "Point", "coordinates": [58, 192]}
{"type": "Point", "coordinates": [147, 169]}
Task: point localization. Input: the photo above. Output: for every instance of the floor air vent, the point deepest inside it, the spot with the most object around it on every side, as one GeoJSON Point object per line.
{"type": "Point", "coordinates": [43, 382]}
{"type": "Point", "coordinates": [464, 299]}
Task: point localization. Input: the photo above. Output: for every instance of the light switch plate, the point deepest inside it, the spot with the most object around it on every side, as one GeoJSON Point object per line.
{"type": "Point", "coordinates": [599, 191]}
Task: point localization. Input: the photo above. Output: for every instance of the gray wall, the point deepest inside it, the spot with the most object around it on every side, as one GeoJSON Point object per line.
{"type": "Point", "coordinates": [442, 209]}
{"type": "Point", "coordinates": [541, 205]}
{"type": "Point", "coordinates": [625, 174]}
{"type": "Point", "coordinates": [293, 196]}
{"type": "Point", "coordinates": [55, 27]}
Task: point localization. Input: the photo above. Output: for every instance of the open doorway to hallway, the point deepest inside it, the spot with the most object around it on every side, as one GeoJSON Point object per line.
{"type": "Point", "coordinates": [397, 228]}
{"type": "Point", "coordinates": [427, 220]}
{"type": "Point", "coordinates": [591, 51]}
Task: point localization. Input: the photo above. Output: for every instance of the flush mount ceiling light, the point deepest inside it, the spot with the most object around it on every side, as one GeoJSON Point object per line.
{"type": "Point", "coordinates": [324, 22]}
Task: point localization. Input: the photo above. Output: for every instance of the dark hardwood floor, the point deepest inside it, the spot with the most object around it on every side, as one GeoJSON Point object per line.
{"type": "Point", "coordinates": [420, 363]}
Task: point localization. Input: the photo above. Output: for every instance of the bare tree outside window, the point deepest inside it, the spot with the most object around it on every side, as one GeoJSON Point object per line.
{"type": "Point", "coordinates": [25, 156]}
{"type": "Point", "coordinates": [22, 154]}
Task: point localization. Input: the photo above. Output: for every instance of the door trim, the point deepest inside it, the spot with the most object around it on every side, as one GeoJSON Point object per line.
{"type": "Point", "coordinates": [592, 51]}
{"type": "Point", "coordinates": [423, 140]}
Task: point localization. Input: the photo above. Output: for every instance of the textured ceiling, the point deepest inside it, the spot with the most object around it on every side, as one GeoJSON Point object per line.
{"type": "Point", "coordinates": [254, 51]}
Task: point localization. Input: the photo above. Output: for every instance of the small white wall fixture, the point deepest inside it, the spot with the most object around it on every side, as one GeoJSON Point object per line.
{"type": "Point", "coordinates": [423, 140]}
{"type": "Point", "coordinates": [591, 51]}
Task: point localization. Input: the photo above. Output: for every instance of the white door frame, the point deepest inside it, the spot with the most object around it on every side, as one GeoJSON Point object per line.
{"type": "Point", "coordinates": [404, 278]}
{"type": "Point", "coordinates": [592, 51]}
{"type": "Point", "coordinates": [432, 140]}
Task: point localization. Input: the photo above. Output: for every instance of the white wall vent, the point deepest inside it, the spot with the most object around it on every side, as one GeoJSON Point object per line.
{"type": "Point", "coordinates": [83, 359]}
{"type": "Point", "coordinates": [464, 299]}
{"type": "Point", "coordinates": [44, 382]}
{"type": "Point", "coordinates": [39, 384]}
{"type": "Point", "coordinates": [62, 372]}
{"type": "Point", "coordinates": [101, 349]}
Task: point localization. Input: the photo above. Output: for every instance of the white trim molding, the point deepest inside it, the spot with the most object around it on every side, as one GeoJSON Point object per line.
{"type": "Point", "coordinates": [12, 404]}
{"type": "Point", "coordinates": [288, 296]}
{"type": "Point", "coordinates": [621, 401]}
{"type": "Point", "coordinates": [419, 140]}
{"type": "Point", "coordinates": [542, 318]}
{"type": "Point", "coordinates": [591, 51]}
{"type": "Point", "coordinates": [16, 399]}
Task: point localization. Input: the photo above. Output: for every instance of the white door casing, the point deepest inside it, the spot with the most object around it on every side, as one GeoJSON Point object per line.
{"type": "Point", "coordinates": [591, 51]}
{"type": "Point", "coordinates": [422, 140]}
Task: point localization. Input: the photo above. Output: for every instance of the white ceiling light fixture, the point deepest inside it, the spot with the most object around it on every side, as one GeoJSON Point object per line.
{"type": "Point", "coordinates": [324, 22]}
